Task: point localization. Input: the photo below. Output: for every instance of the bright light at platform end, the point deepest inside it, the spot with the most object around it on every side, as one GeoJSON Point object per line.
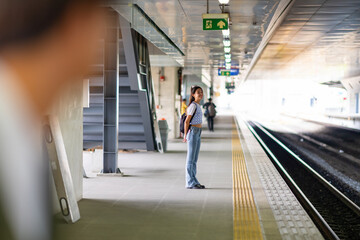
{"type": "Point", "coordinates": [227, 49]}
{"type": "Point", "coordinates": [224, 1]}
{"type": "Point", "coordinates": [228, 66]}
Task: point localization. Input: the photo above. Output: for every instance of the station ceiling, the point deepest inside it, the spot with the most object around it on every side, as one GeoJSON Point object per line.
{"type": "Point", "coordinates": [318, 39]}
{"type": "Point", "coordinates": [181, 20]}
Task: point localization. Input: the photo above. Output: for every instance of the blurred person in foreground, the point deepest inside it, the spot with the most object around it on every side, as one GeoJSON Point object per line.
{"type": "Point", "coordinates": [45, 46]}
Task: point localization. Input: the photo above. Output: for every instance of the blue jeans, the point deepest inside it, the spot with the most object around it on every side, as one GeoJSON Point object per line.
{"type": "Point", "coordinates": [193, 143]}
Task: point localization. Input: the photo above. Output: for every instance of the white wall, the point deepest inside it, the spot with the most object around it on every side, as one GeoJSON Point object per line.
{"type": "Point", "coordinates": [166, 97]}
{"type": "Point", "coordinates": [69, 111]}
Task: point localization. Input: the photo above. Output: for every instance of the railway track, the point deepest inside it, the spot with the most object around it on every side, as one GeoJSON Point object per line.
{"type": "Point", "coordinates": [335, 215]}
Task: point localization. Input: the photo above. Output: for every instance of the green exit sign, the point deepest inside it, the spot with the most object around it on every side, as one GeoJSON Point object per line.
{"type": "Point", "coordinates": [225, 73]}
{"type": "Point", "coordinates": [215, 21]}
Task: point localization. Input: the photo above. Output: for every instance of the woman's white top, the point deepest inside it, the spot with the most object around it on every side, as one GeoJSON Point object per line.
{"type": "Point", "coordinates": [197, 119]}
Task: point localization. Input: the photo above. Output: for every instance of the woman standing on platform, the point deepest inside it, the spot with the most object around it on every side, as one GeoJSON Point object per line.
{"type": "Point", "coordinates": [192, 130]}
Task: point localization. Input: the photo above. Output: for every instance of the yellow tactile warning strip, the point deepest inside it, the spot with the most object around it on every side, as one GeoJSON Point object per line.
{"type": "Point", "coordinates": [246, 218]}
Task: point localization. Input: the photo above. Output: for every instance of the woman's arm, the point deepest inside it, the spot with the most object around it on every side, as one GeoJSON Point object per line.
{"type": "Point", "coordinates": [186, 126]}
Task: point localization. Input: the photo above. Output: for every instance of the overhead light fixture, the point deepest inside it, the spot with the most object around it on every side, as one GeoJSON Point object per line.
{"type": "Point", "coordinates": [223, 2]}
{"type": "Point", "coordinates": [228, 60]}
{"type": "Point", "coordinates": [227, 43]}
{"type": "Point", "coordinates": [227, 56]}
{"type": "Point", "coordinates": [227, 49]}
{"type": "Point", "coordinates": [228, 66]}
{"type": "Point", "coordinates": [226, 33]}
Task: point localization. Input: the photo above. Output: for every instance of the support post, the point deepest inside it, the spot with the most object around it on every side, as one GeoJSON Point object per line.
{"type": "Point", "coordinates": [61, 171]}
{"type": "Point", "coordinates": [111, 94]}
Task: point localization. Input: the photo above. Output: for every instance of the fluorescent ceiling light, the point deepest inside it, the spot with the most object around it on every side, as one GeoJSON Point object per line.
{"type": "Point", "coordinates": [228, 66]}
{"type": "Point", "coordinates": [226, 33]}
{"type": "Point", "coordinates": [228, 60]}
{"type": "Point", "coordinates": [224, 1]}
{"type": "Point", "coordinates": [228, 55]}
{"type": "Point", "coordinates": [227, 49]}
{"type": "Point", "coordinates": [227, 43]}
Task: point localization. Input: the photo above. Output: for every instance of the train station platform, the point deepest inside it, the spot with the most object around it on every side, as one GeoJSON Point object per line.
{"type": "Point", "coordinates": [245, 196]}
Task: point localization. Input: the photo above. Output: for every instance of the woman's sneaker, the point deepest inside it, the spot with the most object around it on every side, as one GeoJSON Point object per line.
{"type": "Point", "coordinates": [197, 186]}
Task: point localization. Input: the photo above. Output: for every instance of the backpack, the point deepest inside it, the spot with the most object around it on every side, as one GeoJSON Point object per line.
{"type": "Point", "coordinates": [211, 110]}
{"type": "Point", "coordinates": [206, 113]}
{"type": "Point", "coordinates": [182, 121]}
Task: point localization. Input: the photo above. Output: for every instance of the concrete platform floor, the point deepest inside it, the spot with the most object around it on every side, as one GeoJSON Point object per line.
{"type": "Point", "coordinates": [151, 202]}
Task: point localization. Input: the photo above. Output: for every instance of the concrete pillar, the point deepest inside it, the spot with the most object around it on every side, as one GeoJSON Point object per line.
{"type": "Point", "coordinates": [352, 85]}
{"type": "Point", "coordinates": [353, 102]}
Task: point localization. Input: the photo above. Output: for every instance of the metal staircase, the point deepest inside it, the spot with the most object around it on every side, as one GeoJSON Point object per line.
{"type": "Point", "coordinates": [137, 118]}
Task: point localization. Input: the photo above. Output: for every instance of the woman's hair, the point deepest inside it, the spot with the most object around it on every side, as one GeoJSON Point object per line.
{"type": "Point", "coordinates": [193, 90]}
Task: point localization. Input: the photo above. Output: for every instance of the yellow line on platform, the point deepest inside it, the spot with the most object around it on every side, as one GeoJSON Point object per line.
{"type": "Point", "coordinates": [246, 218]}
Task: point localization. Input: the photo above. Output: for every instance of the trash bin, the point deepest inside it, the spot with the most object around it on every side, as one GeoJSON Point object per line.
{"type": "Point", "coordinates": [164, 130]}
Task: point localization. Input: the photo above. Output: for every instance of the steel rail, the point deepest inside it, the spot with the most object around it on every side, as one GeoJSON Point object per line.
{"type": "Point", "coordinates": [328, 185]}
{"type": "Point", "coordinates": [319, 221]}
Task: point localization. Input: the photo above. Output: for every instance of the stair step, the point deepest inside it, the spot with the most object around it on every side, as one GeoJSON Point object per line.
{"type": "Point", "coordinates": [91, 144]}
{"type": "Point", "coordinates": [124, 81]}
{"type": "Point", "coordinates": [129, 100]}
{"type": "Point", "coordinates": [126, 90]}
{"type": "Point", "coordinates": [123, 101]}
{"type": "Point", "coordinates": [122, 95]}
{"type": "Point", "coordinates": [130, 119]}
{"type": "Point", "coordinates": [99, 119]}
{"type": "Point", "coordinates": [132, 138]}
{"type": "Point", "coordinates": [101, 65]}
{"type": "Point", "coordinates": [132, 145]}
{"type": "Point", "coordinates": [124, 128]}
{"type": "Point", "coordinates": [93, 122]}
{"type": "Point", "coordinates": [123, 112]}
{"type": "Point", "coordinates": [98, 81]}
{"type": "Point", "coordinates": [100, 105]}
{"type": "Point", "coordinates": [129, 111]}
{"type": "Point", "coordinates": [122, 145]}
{"type": "Point", "coordinates": [95, 105]}
{"type": "Point", "coordinates": [93, 138]}
{"type": "Point", "coordinates": [93, 129]}
{"type": "Point", "coordinates": [96, 100]}
{"type": "Point", "coordinates": [94, 111]}
{"type": "Point", "coordinates": [122, 137]}
{"type": "Point", "coordinates": [97, 91]}
{"type": "Point", "coordinates": [131, 128]}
